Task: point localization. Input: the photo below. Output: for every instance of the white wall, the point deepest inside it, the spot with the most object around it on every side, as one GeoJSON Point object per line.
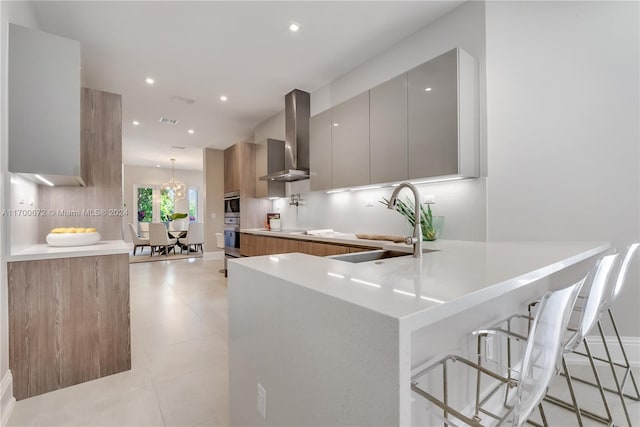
{"type": "Point", "coordinates": [20, 13]}
{"type": "Point", "coordinates": [141, 175]}
{"type": "Point", "coordinates": [23, 228]}
{"type": "Point", "coordinates": [563, 126]}
{"type": "Point", "coordinates": [272, 128]}
{"type": "Point", "coordinates": [463, 202]}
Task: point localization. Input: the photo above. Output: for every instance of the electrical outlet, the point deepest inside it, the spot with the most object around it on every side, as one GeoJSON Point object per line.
{"type": "Point", "coordinates": [262, 401]}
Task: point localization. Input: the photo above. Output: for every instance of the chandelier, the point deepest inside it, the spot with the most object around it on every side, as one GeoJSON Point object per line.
{"type": "Point", "coordinates": [179, 188]}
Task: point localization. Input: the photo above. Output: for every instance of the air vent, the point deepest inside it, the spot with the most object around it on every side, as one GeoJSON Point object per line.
{"type": "Point", "coordinates": [182, 99]}
{"type": "Point", "coordinates": [168, 121]}
{"type": "Point", "coordinates": [175, 147]}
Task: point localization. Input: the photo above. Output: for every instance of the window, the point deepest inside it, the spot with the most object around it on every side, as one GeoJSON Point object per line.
{"type": "Point", "coordinates": [167, 205]}
{"type": "Point", "coordinates": [192, 195]}
{"type": "Point", "coordinates": [145, 204]}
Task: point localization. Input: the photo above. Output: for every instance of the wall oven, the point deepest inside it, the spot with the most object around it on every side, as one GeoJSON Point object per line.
{"type": "Point", "coordinates": [232, 236]}
{"type": "Point", "coordinates": [232, 204]}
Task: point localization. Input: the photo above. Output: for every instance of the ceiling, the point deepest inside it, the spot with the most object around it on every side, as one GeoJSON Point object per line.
{"type": "Point", "coordinates": [202, 50]}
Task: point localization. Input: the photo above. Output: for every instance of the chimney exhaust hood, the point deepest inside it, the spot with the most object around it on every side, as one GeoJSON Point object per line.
{"type": "Point", "coordinates": [297, 106]}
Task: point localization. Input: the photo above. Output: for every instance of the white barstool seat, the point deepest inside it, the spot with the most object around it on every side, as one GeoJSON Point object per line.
{"type": "Point", "coordinates": [597, 287]}
{"type": "Point", "coordinates": [524, 390]}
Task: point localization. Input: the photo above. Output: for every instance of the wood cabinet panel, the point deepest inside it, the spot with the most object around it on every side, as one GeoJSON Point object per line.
{"type": "Point", "coordinates": [256, 245]}
{"type": "Point", "coordinates": [275, 245]}
{"type": "Point", "coordinates": [322, 249]}
{"type": "Point", "coordinates": [231, 169]}
{"type": "Point", "coordinates": [350, 142]}
{"type": "Point", "coordinates": [247, 244]}
{"type": "Point", "coordinates": [68, 321]}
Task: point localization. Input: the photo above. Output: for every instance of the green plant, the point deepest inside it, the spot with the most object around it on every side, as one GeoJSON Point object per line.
{"type": "Point", "coordinates": [426, 217]}
{"type": "Point", "coordinates": [178, 215]}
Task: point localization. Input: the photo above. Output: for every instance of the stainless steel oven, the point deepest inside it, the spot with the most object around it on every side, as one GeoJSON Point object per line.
{"type": "Point", "coordinates": [232, 236]}
{"type": "Point", "coordinates": [232, 204]}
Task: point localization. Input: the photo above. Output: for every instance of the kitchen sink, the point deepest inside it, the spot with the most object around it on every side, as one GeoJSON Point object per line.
{"type": "Point", "coordinates": [369, 256]}
{"type": "Point", "coordinates": [377, 255]}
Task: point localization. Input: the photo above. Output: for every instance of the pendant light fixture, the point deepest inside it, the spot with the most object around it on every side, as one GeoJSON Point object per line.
{"type": "Point", "coordinates": [179, 188]}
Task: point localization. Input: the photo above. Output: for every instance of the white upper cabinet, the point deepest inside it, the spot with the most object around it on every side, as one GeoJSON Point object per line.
{"type": "Point", "coordinates": [350, 142]}
{"type": "Point", "coordinates": [388, 131]}
{"type": "Point", "coordinates": [44, 105]}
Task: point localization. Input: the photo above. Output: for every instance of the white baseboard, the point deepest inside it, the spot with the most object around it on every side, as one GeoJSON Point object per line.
{"type": "Point", "coordinates": [7, 401]}
{"type": "Point", "coordinates": [631, 346]}
{"type": "Point", "coordinates": [213, 255]}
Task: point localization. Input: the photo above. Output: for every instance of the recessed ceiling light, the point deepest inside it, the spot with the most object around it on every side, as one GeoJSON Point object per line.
{"type": "Point", "coordinates": [191, 131]}
{"type": "Point", "coordinates": [293, 27]}
{"type": "Point", "coordinates": [157, 166]}
{"type": "Point", "coordinates": [136, 123]}
{"type": "Point", "coordinates": [149, 81]}
{"type": "Point", "coordinates": [427, 89]}
{"type": "Point", "coordinates": [223, 98]}
{"type": "Point", "coordinates": [336, 125]}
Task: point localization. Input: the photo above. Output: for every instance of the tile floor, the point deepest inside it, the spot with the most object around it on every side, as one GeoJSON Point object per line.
{"type": "Point", "coordinates": [179, 375]}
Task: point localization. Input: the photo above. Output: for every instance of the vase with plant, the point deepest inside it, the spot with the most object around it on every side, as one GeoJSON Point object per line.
{"type": "Point", "coordinates": [429, 224]}
{"type": "Point", "coordinates": [177, 221]}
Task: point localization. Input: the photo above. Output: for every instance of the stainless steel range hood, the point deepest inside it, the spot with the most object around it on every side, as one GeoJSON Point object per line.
{"type": "Point", "coordinates": [297, 107]}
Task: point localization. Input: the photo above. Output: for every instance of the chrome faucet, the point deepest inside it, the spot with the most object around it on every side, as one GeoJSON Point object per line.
{"type": "Point", "coordinates": [416, 240]}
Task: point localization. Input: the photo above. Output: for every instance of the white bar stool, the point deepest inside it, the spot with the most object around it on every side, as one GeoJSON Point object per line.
{"type": "Point", "coordinates": [606, 308]}
{"type": "Point", "coordinates": [537, 368]}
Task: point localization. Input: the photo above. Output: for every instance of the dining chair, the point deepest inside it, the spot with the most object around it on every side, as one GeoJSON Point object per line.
{"type": "Point", "coordinates": [137, 241]}
{"type": "Point", "coordinates": [159, 238]}
{"type": "Point", "coordinates": [525, 387]}
{"type": "Point", "coordinates": [195, 237]}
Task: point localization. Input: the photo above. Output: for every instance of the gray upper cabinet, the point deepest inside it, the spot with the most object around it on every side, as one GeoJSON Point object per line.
{"type": "Point", "coordinates": [433, 117]}
{"type": "Point", "coordinates": [320, 151]}
{"type": "Point", "coordinates": [420, 125]}
{"type": "Point", "coordinates": [350, 142]}
{"type": "Point", "coordinates": [388, 131]}
{"type": "Point", "coordinates": [44, 105]}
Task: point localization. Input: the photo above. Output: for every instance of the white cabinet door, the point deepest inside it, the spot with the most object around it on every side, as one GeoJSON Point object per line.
{"type": "Point", "coordinates": [350, 142]}
{"type": "Point", "coordinates": [320, 151]}
{"type": "Point", "coordinates": [388, 131]}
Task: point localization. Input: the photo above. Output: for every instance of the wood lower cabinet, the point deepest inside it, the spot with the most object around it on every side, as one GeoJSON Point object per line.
{"type": "Point", "coordinates": [68, 321]}
{"type": "Point", "coordinates": [256, 245]}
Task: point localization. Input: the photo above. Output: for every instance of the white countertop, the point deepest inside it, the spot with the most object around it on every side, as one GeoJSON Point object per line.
{"type": "Point", "coordinates": [44, 251]}
{"type": "Point", "coordinates": [460, 274]}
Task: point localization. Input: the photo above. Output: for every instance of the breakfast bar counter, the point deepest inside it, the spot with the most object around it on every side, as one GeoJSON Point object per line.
{"type": "Point", "coordinates": [334, 343]}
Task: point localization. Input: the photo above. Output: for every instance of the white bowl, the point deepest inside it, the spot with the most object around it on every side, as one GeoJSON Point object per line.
{"type": "Point", "coordinates": [73, 239]}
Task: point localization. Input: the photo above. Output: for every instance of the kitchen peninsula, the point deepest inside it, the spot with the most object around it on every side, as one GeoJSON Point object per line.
{"type": "Point", "coordinates": [334, 343]}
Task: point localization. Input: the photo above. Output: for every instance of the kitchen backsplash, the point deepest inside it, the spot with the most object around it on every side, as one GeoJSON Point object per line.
{"type": "Point", "coordinates": [23, 223]}
{"type": "Point", "coordinates": [462, 203]}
